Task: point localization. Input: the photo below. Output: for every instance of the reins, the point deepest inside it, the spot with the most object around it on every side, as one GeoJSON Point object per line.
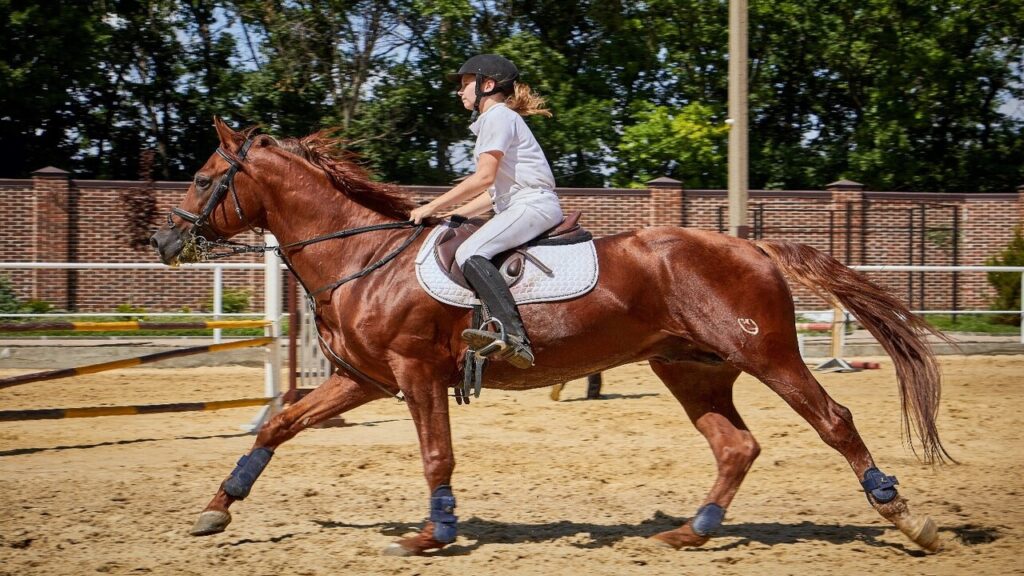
{"type": "Point", "coordinates": [329, 288]}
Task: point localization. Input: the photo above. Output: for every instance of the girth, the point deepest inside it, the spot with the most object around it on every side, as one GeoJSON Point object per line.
{"type": "Point", "coordinates": [511, 262]}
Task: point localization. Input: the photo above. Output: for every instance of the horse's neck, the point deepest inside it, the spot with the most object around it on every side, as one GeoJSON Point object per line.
{"type": "Point", "coordinates": [318, 211]}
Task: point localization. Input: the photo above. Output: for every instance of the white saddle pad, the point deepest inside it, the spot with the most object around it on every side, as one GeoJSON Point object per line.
{"type": "Point", "coordinates": [574, 272]}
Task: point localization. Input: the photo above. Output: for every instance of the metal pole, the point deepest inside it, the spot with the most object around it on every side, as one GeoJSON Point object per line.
{"type": "Point", "coordinates": [738, 175]}
{"type": "Point", "coordinates": [272, 309]}
{"type": "Point", "coordinates": [218, 300]}
{"type": "Point", "coordinates": [294, 327]}
{"type": "Point", "coordinates": [956, 259]}
{"type": "Point", "coordinates": [271, 313]}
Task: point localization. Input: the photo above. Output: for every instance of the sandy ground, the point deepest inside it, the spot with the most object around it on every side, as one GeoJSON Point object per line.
{"type": "Point", "coordinates": [570, 487]}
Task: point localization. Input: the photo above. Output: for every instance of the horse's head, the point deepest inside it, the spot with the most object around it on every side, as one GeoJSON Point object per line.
{"type": "Point", "coordinates": [206, 214]}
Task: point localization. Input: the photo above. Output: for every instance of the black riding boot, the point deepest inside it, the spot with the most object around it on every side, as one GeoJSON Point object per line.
{"type": "Point", "coordinates": [491, 289]}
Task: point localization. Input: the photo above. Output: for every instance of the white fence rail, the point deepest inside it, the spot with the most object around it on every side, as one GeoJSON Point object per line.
{"type": "Point", "coordinates": [219, 267]}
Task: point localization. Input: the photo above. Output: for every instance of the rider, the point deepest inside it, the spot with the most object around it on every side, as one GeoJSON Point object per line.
{"type": "Point", "coordinates": [514, 178]}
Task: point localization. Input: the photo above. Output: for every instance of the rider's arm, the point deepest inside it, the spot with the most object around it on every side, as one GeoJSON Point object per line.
{"type": "Point", "coordinates": [481, 180]}
{"type": "Point", "coordinates": [474, 207]}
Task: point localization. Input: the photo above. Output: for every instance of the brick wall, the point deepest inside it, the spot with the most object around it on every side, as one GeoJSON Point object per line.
{"type": "Point", "coordinates": [55, 218]}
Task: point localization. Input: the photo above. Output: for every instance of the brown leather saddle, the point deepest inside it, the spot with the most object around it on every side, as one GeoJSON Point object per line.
{"type": "Point", "coordinates": [511, 263]}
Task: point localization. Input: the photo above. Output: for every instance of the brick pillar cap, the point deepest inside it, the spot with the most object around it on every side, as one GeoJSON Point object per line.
{"type": "Point", "coordinates": [845, 185]}
{"type": "Point", "coordinates": [664, 182]}
{"type": "Point", "coordinates": [51, 172]}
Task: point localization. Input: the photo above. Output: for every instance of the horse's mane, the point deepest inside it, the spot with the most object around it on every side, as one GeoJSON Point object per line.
{"type": "Point", "coordinates": [325, 151]}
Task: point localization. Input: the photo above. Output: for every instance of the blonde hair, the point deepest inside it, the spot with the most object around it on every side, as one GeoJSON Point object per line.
{"type": "Point", "coordinates": [525, 102]}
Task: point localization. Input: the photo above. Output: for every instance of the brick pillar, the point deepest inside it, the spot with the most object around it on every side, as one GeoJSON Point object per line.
{"type": "Point", "coordinates": [847, 202]}
{"type": "Point", "coordinates": [1020, 203]}
{"type": "Point", "coordinates": [54, 210]}
{"type": "Point", "coordinates": [666, 200]}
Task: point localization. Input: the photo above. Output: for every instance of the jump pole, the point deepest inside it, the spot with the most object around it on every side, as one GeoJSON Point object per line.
{"type": "Point", "coordinates": [95, 411]}
{"type": "Point", "coordinates": [128, 362]}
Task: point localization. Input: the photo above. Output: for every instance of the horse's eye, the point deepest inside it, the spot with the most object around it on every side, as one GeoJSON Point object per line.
{"type": "Point", "coordinates": [202, 181]}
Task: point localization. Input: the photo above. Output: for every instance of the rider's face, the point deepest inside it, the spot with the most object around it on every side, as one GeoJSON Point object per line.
{"type": "Point", "coordinates": [468, 91]}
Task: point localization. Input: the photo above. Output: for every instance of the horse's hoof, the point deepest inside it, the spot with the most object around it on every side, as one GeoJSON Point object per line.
{"type": "Point", "coordinates": [396, 549]}
{"type": "Point", "coordinates": [659, 543]}
{"type": "Point", "coordinates": [211, 522]}
{"type": "Point", "coordinates": [924, 532]}
{"type": "Point", "coordinates": [679, 538]}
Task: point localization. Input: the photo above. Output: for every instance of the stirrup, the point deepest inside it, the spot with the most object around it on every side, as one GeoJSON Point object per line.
{"type": "Point", "coordinates": [497, 346]}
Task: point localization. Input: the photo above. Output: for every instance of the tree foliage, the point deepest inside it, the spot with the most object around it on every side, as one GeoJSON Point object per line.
{"type": "Point", "coordinates": [897, 94]}
{"type": "Point", "coordinates": [1008, 284]}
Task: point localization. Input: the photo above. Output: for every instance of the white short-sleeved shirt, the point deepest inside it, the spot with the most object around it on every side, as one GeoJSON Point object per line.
{"type": "Point", "coordinates": [523, 166]}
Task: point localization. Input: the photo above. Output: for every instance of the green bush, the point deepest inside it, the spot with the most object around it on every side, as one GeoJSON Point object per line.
{"type": "Point", "coordinates": [8, 300]}
{"type": "Point", "coordinates": [1007, 284]}
{"type": "Point", "coordinates": [37, 307]}
{"type": "Point", "coordinates": [129, 308]}
{"type": "Point", "coordinates": [232, 300]}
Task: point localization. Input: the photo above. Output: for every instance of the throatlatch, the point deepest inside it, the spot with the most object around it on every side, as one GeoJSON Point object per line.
{"type": "Point", "coordinates": [246, 472]}
{"type": "Point", "coordinates": [879, 486]}
{"type": "Point", "coordinates": [442, 514]}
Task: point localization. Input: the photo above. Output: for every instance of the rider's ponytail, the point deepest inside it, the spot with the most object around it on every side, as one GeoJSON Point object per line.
{"type": "Point", "coordinates": [526, 102]}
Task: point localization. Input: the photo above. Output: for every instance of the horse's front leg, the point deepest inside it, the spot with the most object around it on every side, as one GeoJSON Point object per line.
{"type": "Point", "coordinates": [428, 404]}
{"type": "Point", "coordinates": [336, 395]}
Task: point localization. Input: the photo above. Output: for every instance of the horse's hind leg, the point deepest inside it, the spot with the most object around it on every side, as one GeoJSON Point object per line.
{"type": "Point", "coordinates": [787, 375]}
{"type": "Point", "coordinates": [336, 395]}
{"type": "Point", "coordinates": [705, 391]}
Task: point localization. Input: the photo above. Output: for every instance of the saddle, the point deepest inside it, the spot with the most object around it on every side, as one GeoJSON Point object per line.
{"type": "Point", "coordinates": [511, 263]}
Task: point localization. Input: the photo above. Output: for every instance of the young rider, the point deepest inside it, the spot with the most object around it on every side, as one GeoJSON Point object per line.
{"type": "Point", "coordinates": [512, 177]}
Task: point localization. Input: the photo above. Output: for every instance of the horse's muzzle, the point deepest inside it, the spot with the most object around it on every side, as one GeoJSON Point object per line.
{"type": "Point", "coordinates": [168, 242]}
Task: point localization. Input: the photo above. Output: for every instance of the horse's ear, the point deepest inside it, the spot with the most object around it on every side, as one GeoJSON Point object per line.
{"type": "Point", "coordinates": [229, 139]}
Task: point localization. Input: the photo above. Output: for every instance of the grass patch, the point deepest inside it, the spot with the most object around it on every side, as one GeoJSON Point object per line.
{"type": "Point", "coordinates": [981, 323]}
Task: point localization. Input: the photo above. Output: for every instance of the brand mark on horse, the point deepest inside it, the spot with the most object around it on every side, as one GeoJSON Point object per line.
{"type": "Point", "coordinates": [748, 325]}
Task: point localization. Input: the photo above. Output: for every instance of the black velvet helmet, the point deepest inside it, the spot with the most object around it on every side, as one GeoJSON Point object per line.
{"type": "Point", "coordinates": [500, 69]}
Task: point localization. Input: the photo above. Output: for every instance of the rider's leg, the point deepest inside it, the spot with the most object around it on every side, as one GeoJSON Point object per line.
{"type": "Point", "coordinates": [490, 287]}
{"type": "Point", "coordinates": [518, 224]}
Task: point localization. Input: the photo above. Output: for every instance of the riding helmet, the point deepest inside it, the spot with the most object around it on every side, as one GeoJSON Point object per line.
{"type": "Point", "coordinates": [493, 66]}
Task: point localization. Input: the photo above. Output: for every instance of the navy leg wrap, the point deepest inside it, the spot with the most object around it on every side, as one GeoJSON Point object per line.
{"type": "Point", "coordinates": [879, 486]}
{"type": "Point", "coordinates": [707, 520]}
{"type": "Point", "coordinates": [246, 472]}
{"type": "Point", "coordinates": [442, 514]}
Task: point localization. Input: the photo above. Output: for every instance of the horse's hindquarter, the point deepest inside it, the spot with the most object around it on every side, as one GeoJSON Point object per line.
{"type": "Point", "coordinates": [668, 293]}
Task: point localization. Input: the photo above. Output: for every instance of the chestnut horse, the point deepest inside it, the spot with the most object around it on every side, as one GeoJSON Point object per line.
{"type": "Point", "coordinates": [701, 307]}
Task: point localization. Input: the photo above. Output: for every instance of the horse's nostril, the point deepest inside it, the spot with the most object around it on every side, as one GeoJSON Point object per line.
{"type": "Point", "coordinates": [153, 242]}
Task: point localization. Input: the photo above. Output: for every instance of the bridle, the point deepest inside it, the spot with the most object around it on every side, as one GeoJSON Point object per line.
{"type": "Point", "coordinates": [227, 182]}
{"type": "Point", "coordinates": [197, 245]}
{"type": "Point", "coordinates": [203, 248]}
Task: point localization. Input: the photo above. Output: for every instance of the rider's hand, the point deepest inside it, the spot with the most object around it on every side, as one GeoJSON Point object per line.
{"type": "Point", "coordinates": [418, 214]}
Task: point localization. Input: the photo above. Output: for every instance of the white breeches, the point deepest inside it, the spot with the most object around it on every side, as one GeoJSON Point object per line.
{"type": "Point", "coordinates": [525, 218]}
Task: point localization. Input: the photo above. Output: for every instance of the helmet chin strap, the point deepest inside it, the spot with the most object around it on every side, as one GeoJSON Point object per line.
{"type": "Point", "coordinates": [480, 94]}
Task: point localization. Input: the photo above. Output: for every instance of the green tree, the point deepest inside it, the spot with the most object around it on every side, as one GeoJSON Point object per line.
{"type": "Point", "coordinates": [688, 144]}
{"type": "Point", "coordinates": [48, 72]}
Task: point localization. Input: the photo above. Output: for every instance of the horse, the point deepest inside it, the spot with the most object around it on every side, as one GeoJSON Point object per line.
{"type": "Point", "coordinates": [700, 307]}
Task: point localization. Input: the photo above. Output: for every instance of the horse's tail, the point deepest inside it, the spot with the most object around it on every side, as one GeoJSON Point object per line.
{"type": "Point", "coordinates": [899, 331]}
